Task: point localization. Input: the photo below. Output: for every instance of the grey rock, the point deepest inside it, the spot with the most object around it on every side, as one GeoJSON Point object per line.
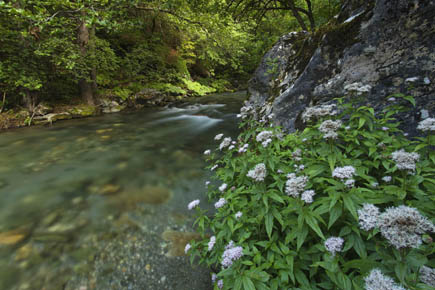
{"type": "Point", "coordinates": [371, 50]}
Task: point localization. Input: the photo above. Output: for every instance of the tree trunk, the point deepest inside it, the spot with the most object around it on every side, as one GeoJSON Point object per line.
{"type": "Point", "coordinates": [92, 48]}
{"type": "Point", "coordinates": [84, 84]}
{"type": "Point", "coordinates": [30, 100]}
{"type": "Point", "coordinates": [296, 14]}
{"type": "Point", "coordinates": [310, 15]}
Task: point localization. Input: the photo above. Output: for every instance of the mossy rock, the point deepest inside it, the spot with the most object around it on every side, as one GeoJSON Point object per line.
{"type": "Point", "coordinates": [84, 111]}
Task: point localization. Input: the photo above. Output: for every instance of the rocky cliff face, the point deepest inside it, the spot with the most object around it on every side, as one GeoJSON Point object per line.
{"type": "Point", "coordinates": [372, 49]}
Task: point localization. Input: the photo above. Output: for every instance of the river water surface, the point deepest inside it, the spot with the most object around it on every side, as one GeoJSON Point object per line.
{"type": "Point", "coordinates": [101, 203]}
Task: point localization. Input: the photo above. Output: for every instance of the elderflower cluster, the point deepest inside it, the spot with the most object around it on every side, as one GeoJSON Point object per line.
{"type": "Point", "coordinates": [238, 215]}
{"type": "Point", "coordinates": [231, 254]}
{"type": "Point", "coordinates": [368, 216]}
{"type": "Point", "coordinates": [329, 129]}
{"type": "Point", "coordinates": [405, 160]}
{"type": "Point", "coordinates": [378, 281]}
{"type": "Point", "coordinates": [334, 245]}
{"type": "Point", "coordinates": [403, 226]}
{"type": "Point", "coordinates": [427, 276]}
{"type": "Point", "coordinates": [295, 185]}
{"type": "Point", "coordinates": [258, 173]}
{"type": "Point", "coordinates": [187, 248]}
{"type": "Point", "coordinates": [225, 143]}
{"type": "Point", "coordinates": [318, 111]}
{"type": "Point", "coordinates": [427, 125]}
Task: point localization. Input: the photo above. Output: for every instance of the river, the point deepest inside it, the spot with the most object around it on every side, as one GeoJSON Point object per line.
{"type": "Point", "coordinates": [101, 203]}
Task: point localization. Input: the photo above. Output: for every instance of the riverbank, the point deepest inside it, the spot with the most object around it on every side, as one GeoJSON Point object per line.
{"type": "Point", "coordinates": [49, 113]}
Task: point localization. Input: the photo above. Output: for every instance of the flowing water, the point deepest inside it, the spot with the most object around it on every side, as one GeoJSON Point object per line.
{"type": "Point", "coordinates": [100, 203]}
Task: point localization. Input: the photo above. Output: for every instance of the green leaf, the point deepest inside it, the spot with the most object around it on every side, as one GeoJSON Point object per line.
{"type": "Point", "coordinates": [269, 224]}
{"type": "Point", "coordinates": [335, 213]}
{"type": "Point", "coordinates": [350, 205]}
{"type": "Point", "coordinates": [301, 235]}
{"type": "Point", "coordinates": [312, 222]}
{"type": "Point", "coordinates": [247, 283]}
{"type": "Point", "coordinates": [401, 271]}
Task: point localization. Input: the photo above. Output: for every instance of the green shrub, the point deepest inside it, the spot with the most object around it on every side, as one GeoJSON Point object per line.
{"type": "Point", "coordinates": [281, 199]}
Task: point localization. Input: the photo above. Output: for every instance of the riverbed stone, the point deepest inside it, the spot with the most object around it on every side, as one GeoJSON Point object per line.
{"type": "Point", "coordinates": [13, 237]}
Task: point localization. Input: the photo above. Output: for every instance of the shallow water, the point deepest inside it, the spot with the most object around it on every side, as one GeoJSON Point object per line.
{"type": "Point", "coordinates": [84, 203]}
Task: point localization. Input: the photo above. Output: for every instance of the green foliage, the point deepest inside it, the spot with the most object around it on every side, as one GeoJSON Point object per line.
{"type": "Point", "coordinates": [197, 88]}
{"type": "Point", "coordinates": [283, 236]}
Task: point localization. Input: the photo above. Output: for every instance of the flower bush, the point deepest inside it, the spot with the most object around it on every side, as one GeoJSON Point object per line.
{"type": "Point", "coordinates": [346, 204]}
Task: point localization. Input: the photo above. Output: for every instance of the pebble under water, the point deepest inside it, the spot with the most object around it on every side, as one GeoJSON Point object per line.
{"type": "Point", "coordinates": [101, 203]}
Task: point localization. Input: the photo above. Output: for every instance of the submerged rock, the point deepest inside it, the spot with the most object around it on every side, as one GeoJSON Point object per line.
{"type": "Point", "coordinates": [178, 242]}
{"type": "Point", "coordinates": [130, 199]}
{"type": "Point", "coordinates": [13, 237]}
{"type": "Point", "coordinates": [372, 49]}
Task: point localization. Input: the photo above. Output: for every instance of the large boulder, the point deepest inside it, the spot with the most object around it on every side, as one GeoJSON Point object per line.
{"type": "Point", "coordinates": [372, 49]}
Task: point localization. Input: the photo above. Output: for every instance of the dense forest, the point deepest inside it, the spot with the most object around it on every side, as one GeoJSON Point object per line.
{"type": "Point", "coordinates": [71, 51]}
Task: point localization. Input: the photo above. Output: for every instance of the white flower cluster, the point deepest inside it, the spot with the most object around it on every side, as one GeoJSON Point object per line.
{"type": "Point", "coordinates": [368, 216]}
{"type": "Point", "coordinates": [220, 203]}
{"type": "Point", "coordinates": [295, 185]}
{"type": "Point", "coordinates": [403, 226]}
{"type": "Point", "coordinates": [246, 111]}
{"type": "Point", "coordinates": [265, 137]}
{"type": "Point", "coordinates": [231, 254]}
{"type": "Point", "coordinates": [307, 196]}
{"type": "Point", "coordinates": [193, 204]}
{"type": "Point", "coordinates": [297, 155]}
{"type": "Point", "coordinates": [244, 148]}
{"type": "Point", "coordinates": [329, 128]}
{"type": "Point", "coordinates": [387, 178]}
{"type": "Point", "coordinates": [334, 244]}
{"type": "Point", "coordinates": [378, 281]}
{"type": "Point", "coordinates": [211, 243]}
{"type": "Point", "coordinates": [187, 248]}
{"type": "Point", "coordinates": [218, 137]}
{"type": "Point", "coordinates": [258, 173]}
{"type": "Point", "coordinates": [207, 152]}
{"type": "Point", "coordinates": [214, 167]}
{"type": "Point", "coordinates": [427, 125]}
{"type": "Point", "coordinates": [358, 88]}
{"type": "Point", "coordinates": [238, 215]}
{"type": "Point", "coordinates": [427, 276]}
{"type": "Point", "coordinates": [405, 160]}
{"type": "Point", "coordinates": [318, 111]}
{"type": "Point", "coordinates": [223, 187]}
{"type": "Point", "coordinates": [225, 143]}
{"type": "Point", "coordinates": [345, 172]}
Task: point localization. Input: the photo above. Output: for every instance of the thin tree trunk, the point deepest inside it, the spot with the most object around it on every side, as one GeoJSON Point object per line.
{"type": "Point", "coordinates": [92, 47]}
{"type": "Point", "coordinates": [310, 15]}
{"type": "Point", "coordinates": [84, 84]}
{"type": "Point", "coordinates": [296, 14]}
